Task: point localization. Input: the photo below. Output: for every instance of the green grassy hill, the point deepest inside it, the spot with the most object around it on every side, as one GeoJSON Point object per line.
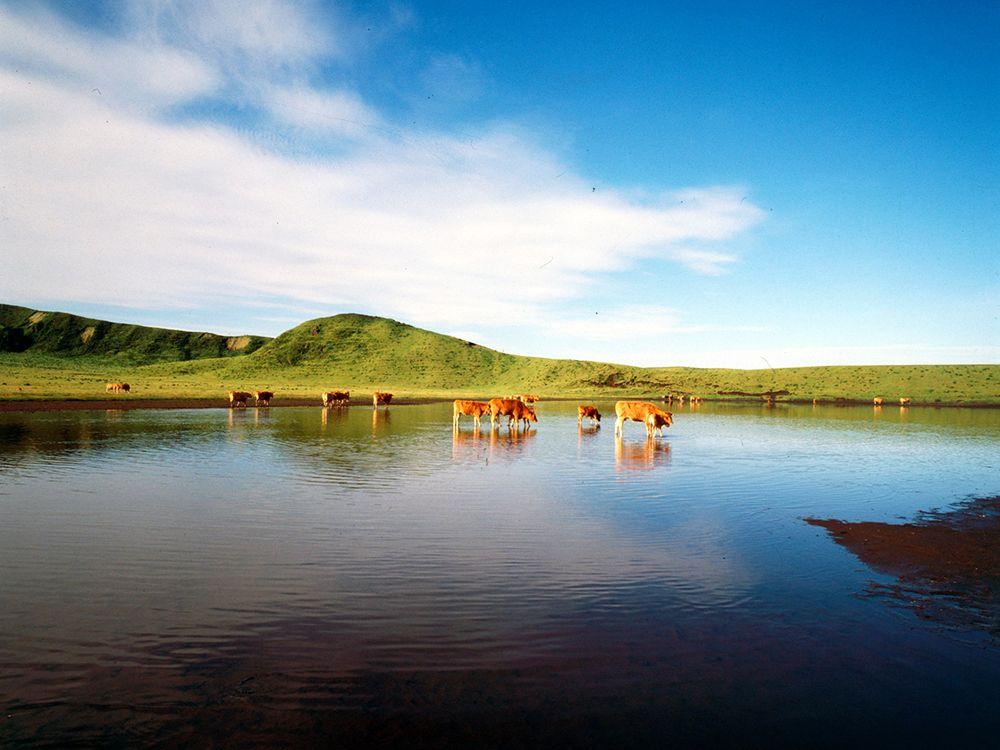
{"type": "Point", "coordinates": [365, 353]}
{"type": "Point", "coordinates": [23, 330]}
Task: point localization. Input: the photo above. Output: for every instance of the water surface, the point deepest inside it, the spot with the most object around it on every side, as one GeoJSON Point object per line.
{"type": "Point", "coordinates": [298, 576]}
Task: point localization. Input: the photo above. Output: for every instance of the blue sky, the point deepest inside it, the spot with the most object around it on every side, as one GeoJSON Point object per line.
{"type": "Point", "coordinates": [716, 184]}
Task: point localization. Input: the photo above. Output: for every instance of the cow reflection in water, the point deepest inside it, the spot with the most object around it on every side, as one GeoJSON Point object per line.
{"type": "Point", "coordinates": [479, 444]}
{"type": "Point", "coordinates": [645, 455]}
{"type": "Point", "coordinates": [332, 416]}
{"type": "Point", "coordinates": [467, 445]}
{"type": "Point", "coordinates": [380, 418]}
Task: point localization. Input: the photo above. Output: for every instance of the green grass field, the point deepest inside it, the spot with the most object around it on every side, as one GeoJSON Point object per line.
{"type": "Point", "coordinates": [52, 360]}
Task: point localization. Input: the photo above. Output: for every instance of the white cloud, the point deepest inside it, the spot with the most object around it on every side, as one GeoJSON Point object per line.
{"type": "Point", "coordinates": [262, 32]}
{"type": "Point", "coordinates": [338, 112]}
{"type": "Point", "coordinates": [708, 262]}
{"type": "Point", "coordinates": [39, 46]}
{"type": "Point", "coordinates": [105, 202]}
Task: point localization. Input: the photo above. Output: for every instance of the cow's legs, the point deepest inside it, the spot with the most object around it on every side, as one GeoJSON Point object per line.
{"type": "Point", "coordinates": [618, 425]}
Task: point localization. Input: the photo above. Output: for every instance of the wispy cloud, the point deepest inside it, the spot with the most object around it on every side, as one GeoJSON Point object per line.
{"type": "Point", "coordinates": [110, 199]}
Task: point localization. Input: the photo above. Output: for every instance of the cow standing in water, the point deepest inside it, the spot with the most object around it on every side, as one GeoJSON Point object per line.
{"type": "Point", "coordinates": [263, 398]}
{"type": "Point", "coordinates": [652, 416]}
{"type": "Point", "coordinates": [522, 413]}
{"type": "Point", "coordinates": [381, 398]}
{"type": "Point", "coordinates": [502, 407]}
{"type": "Point", "coordinates": [474, 409]}
{"type": "Point", "coordinates": [590, 412]}
{"type": "Point", "coordinates": [239, 398]}
{"type": "Point", "coordinates": [336, 398]}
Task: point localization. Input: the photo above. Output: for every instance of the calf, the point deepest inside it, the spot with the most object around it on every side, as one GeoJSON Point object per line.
{"type": "Point", "coordinates": [590, 412]}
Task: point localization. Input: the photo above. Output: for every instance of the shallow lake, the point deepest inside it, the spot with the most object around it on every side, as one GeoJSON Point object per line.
{"type": "Point", "coordinates": [300, 576]}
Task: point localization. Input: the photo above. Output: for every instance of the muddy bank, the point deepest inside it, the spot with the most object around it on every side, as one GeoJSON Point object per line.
{"type": "Point", "coordinates": [947, 564]}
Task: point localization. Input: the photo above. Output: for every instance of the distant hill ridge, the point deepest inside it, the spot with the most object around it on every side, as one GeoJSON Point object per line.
{"type": "Point", "coordinates": [40, 331]}
{"type": "Point", "coordinates": [365, 353]}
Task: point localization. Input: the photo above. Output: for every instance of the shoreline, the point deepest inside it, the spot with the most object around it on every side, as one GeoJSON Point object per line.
{"type": "Point", "coordinates": [126, 403]}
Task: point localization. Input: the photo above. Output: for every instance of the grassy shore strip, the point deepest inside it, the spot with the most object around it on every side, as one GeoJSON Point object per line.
{"type": "Point", "coordinates": [364, 354]}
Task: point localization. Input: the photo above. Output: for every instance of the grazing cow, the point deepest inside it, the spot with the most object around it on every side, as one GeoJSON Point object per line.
{"type": "Point", "coordinates": [590, 412]}
{"type": "Point", "coordinates": [117, 387]}
{"type": "Point", "coordinates": [474, 409]}
{"type": "Point", "coordinates": [238, 398]}
{"type": "Point", "coordinates": [658, 422]}
{"type": "Point", "coordinates": [381, 398]}
{"type": "Point", "coordinates": [336, 398]}
{"type": "Point", "coordinates": [502, 407]}
{"type": "Point", "coordinates": [263, 398]}
{"type": "Point", "coordinates": [904, 402]}
{"type": "Point", "coordinates": [522, 413]}
{"type": "Point", "coordinates": [878, 401]}
{"type": "Point", "coordinates": [640, 411]}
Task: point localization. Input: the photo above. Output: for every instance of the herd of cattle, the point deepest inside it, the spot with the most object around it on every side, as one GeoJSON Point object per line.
{"type": "Point", "coordinates": [517, 409]}
{"type": "Point", "coordinates": [878, 401]}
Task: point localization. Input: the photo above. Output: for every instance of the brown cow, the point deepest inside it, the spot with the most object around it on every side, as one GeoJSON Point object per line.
{"type": "Point", "coordinates": [878, 401]}
{"type": "Point", "coordinates": [658, 422]}
{"type": "Point", "coordinates": [502, 407]}
{"type": "Point", "coordinates": [263, 398]}
{"type": "Point", "coordinates": [117, 387]}
{"type": "Point", "coordinates": [529, 398]}
{"type": "Point", "coordinates": [238, 398]}
{"type": "Point", "coordinates": [474, 409]}
{"type": "Point", "coordinates": [640, 411]}
{"type": "Point", "coordinates": [336, 398]}
{"type": "Point", "coordinates": [522, 413]}
{"type": "Point", "coordinates": [381, 398]}
{"type": "Point", "coordinates": [590, 412]}
{"type": "Point", "coordinates": [904, 402]}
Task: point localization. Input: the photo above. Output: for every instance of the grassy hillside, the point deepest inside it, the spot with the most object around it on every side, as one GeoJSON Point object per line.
{"type": "Point", "coordinates": [23, 330]}
{"type": "Point", "coordinates": [365, 353]}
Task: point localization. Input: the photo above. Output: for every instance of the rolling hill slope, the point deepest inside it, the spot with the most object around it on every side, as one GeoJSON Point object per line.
{"type": "Point", "coordinates": [65, 335]}
{"type": "Point", "coordinates": [365, 353]}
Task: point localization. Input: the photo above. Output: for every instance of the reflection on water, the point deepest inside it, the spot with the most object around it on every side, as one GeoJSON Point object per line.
{"type": "Point", "coordinates": [947, 564]}
{"type": "Point", "coordinates": [646, 454]}
{"type": "Point", "coordinates": [278, 578]}
{"type": "Point", "coordinates": [380, 418]}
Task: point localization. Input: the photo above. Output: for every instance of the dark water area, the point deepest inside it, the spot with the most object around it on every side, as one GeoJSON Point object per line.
{"type": "Point", "coordinates": [795, 576]}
